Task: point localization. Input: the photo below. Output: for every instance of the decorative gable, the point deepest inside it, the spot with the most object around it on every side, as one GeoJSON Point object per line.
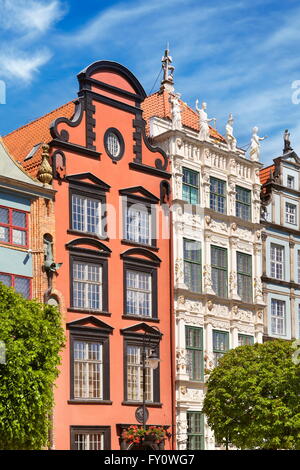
{"type": "Point", "coordinates": [89, 322]}
{"type": "Point", "coordinates": [140, 329]}
{"type": "Point", "coordinates": [138, 192]}
{"type": "Point", "coordinates": [88, 180]}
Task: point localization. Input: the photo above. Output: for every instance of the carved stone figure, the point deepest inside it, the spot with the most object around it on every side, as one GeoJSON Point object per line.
{"type": "Point", "coordinates": [181, 361]}
{"type": "Point", "coordinates": [168, 69]}
{"type": "Point", "coordinates": [45, 174]}
{"type": "Point", "coordinates": [231, 140]}
{"type": "Point", "coordinates": [287, 143]}
{"type": "Point", "coordinates": [203, 122]}
{"type": "Point", "coordinates": [255, 145]}
{"type": "Point", "coordinates": [176, 111]}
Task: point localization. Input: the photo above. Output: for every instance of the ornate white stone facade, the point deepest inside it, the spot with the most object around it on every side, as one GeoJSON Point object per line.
{"type": "Point", "coordinates": [208, 227]}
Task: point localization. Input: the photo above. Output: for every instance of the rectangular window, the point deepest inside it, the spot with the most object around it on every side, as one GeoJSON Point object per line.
{"type": "Point", "coordinates": [194, 350]}
{"type": "Point", "coordinates": [290, 181]}
{"type": "Point", "coordinates": [88, 369]}
{"type": "Point", "coordinates": [21, 284]}
{"type": "Point", "coordinates": [90, 438]}
{"type": "Point", "coordinates": [244, 276]}
{"type": "Point", "coordinates": [135, 374]}
{"type": "Point", "coordinates": [277, 261]}
{"type": "Point", "coordinates": [219, 270]}
{"type": "Point", "coordinates": [290, 213]}
{"type": "Point", "coordinates": [138, 293]}
{"type": "Point", "coordinates": [86, 214]}
{"type": "Point", "coordinates": [220, 344]}
{"type": "Point", "coordinates": [192, 264]}
{"type": "Point", "coordinates": [278, 317]}
{"type": "Point", "coordinates": [218, 195]}
{"type": "Point", "coordinates": [298, 266]}
{"type": "Point", "coordinates": [190, 186]}
{"type": "Point", "coordinates": [138, 226]}
{"type": "Point", "coordinates": [13, 226]}
{"type": "Point", "coordinates": [195, 431]}
{"type": "Point", "coordinates": [245, 339]}
{"type": "Point", "coordinates": [243, 203]}
{"type": "Point", "coordinates": [87, 285]}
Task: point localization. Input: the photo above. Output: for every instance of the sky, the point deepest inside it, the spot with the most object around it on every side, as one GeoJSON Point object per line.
{"type": "Point", "coordinates": [241, 57]}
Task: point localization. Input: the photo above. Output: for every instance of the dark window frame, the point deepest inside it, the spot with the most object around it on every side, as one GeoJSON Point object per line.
{"type": "Point", "coordinates": [217, 195]}
{"type": "Point", "coordinates": [145, 267]}
{"type": "Point", "coordinates": [242, 335]}
{"type": "Point", "coordinates": [213, 266]}
{"type": "Point", "coordinates": [88, 430]}
{"type": "Point", "coordinates": [197, 186]}
{"type": "Point", "coordinates": [239, 203]}
{"type": "Point", "coordinates": [191, 262]}
{"type": "Point", "coordinates": [219, 351]}
{"type": "Point", "coordinates": [245, 275]}
{"type": "Point", "coordinates": [89, 334]}
{"type": "Point", "coordinates": [96, 258]}
{"type": "Point", "coordinates": [193, 348]}
{"type": "Point", "coordinates": [201, 434]}
{"type": "Point", "coordinates": [10, 226]}
{"type": "Point", "coordinates": [127, 202]}
{"type": "Point", "coordinates": [13, 276]}
{"type": "Point", "coordinates": [136, 339]}
{"type": "Point", "coordinates": [113, 130]}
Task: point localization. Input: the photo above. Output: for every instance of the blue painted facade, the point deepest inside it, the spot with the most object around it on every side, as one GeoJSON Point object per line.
{"type": "Point", "coordinates": [281, 248]}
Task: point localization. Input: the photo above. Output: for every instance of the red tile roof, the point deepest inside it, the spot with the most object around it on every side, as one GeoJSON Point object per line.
{"type": "Point", "coordinates": [158, 105]}
{"type": "Point", "coordinates": [21, 141]}
{"type": "Point", "coordinates": [265, 173]}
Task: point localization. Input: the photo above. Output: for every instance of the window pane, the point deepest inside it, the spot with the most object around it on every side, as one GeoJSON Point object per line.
{"type": "Point", "coordinates": [192, 264]}
{"type": "Point", "coordinates": [6, 279]}
{"type": "Point", "coordinates": [195, 431]}
{"type": "Point", "coordinates": [138, 225]}
{"type": "Point", "coordinates": [19, 237]}
{"type": "Point", "coordinates": [4, 215]}
{"type": "Point", "coordinates": [220, 344]}
{"type": "Point", "coordinates": [243, 203]}
{"type": "Point", "coordinates": [245, 339]}
{"type": "Point", "coordinates": [138, 293]}
{"type": "Point", "coordinates": [190, 186]}
{"type": "Point", "coordinates": [18, 219]}
{"type": "Point", "coordinates": [194, 351]}
{"type": "Point", "coordinates": [77, 212]}
{"type": "Point", "coordinates": [84, 441]}
{"type": "Point", "coordinates": [93, 215]}
{"type": "Point", "coordinates": [278, 317]}
{"type": "Point", "coordinates": [219, 270]}
{"type": "Point", "coordinates": [135, 375]}
{"type": "Point", "coordinates": [244, 276]}
{"type": "Point", "coordinates": [277, 261]}
{"type": "Point", "coordinates": [217, 195]}
{"type": "Point", "coordinates": [87, 286]}
{"type": "Point", "coordinates": [88, 372]}
{"type": "Point", "coordinates": [22, 286]}
{"type": "Point", "coordinates": [4, 234]}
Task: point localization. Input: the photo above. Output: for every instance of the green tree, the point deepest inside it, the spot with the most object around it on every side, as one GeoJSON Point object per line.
{"type": "Point", "coordinates": [253, 397]}
{"type": "Point", "coordinates": [33, 336]}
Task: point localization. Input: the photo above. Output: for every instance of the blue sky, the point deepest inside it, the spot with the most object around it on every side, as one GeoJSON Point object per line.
{"type": "Point", "coordinates": [238, 56]}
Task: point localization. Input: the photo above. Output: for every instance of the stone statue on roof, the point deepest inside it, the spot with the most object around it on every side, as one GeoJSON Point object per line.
{"type": "Point", "coordinates": [287, 142]}
{"type": "Point", "coordinates": [231, 140]}
{"type": "Point", "coordinates": [176, 111]}
{"type": "Point", "coordinates": [255, 145]}
{"type": "Point", "coordinates": [168, 69]}
{"type": "Point", "coordinates": [203, 122]}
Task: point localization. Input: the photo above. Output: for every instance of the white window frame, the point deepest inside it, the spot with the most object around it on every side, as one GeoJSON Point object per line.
{"type": "Point", "coordinates": [84, 221]}
{"type": "Point", "coordinates": [290, 213]}
{"type": "Point", "coordinates": [290, 181]}
{"type": "Point", "coordinates": [87, 282]}
{"type": "Point", "coordinates": [278, 318]}
{"type": "Point", "coordinates": [135, 372]}
{"type": "Point", "coordinates": [87, 366]}
{"type": "Point", "coordinates": [135, 230]}
{"type": "Point", "coordinates": [277, 266]}
{"type": "Point", "coordinates": [139, 293]}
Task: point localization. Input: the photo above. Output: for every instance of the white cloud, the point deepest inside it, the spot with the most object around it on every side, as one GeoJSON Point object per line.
{"type": "Point", "coordinates": [23, 24]}
{"type": "Point", "coordinates": [22, 66]}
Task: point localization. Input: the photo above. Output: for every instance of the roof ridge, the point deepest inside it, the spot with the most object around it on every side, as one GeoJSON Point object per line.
{"type": "Point", "coordinates": [38, 119]}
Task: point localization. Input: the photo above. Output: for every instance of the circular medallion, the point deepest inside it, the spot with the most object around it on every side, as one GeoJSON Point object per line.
{"type": "Point", "coordinates": [139, 413]}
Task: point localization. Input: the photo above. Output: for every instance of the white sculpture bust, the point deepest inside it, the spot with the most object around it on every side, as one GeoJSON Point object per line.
{"type": "Point", "coordinates": [176, 111]}
{"type": "Point", "coordinates": [255, 145]}
{"type": "Point", "coordinates": [203, 122]}
{"type": "Point", "coordinates": [231, 140]}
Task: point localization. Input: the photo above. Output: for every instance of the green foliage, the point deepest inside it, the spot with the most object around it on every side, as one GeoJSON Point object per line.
{"type": "Point", "coordinates": [33, 337]}
{"type": "Point", "coordinates": [253, 397]}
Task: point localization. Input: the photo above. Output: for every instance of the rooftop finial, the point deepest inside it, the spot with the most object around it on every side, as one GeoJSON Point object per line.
{"type": "Point", "coordinates": [168, 70]}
